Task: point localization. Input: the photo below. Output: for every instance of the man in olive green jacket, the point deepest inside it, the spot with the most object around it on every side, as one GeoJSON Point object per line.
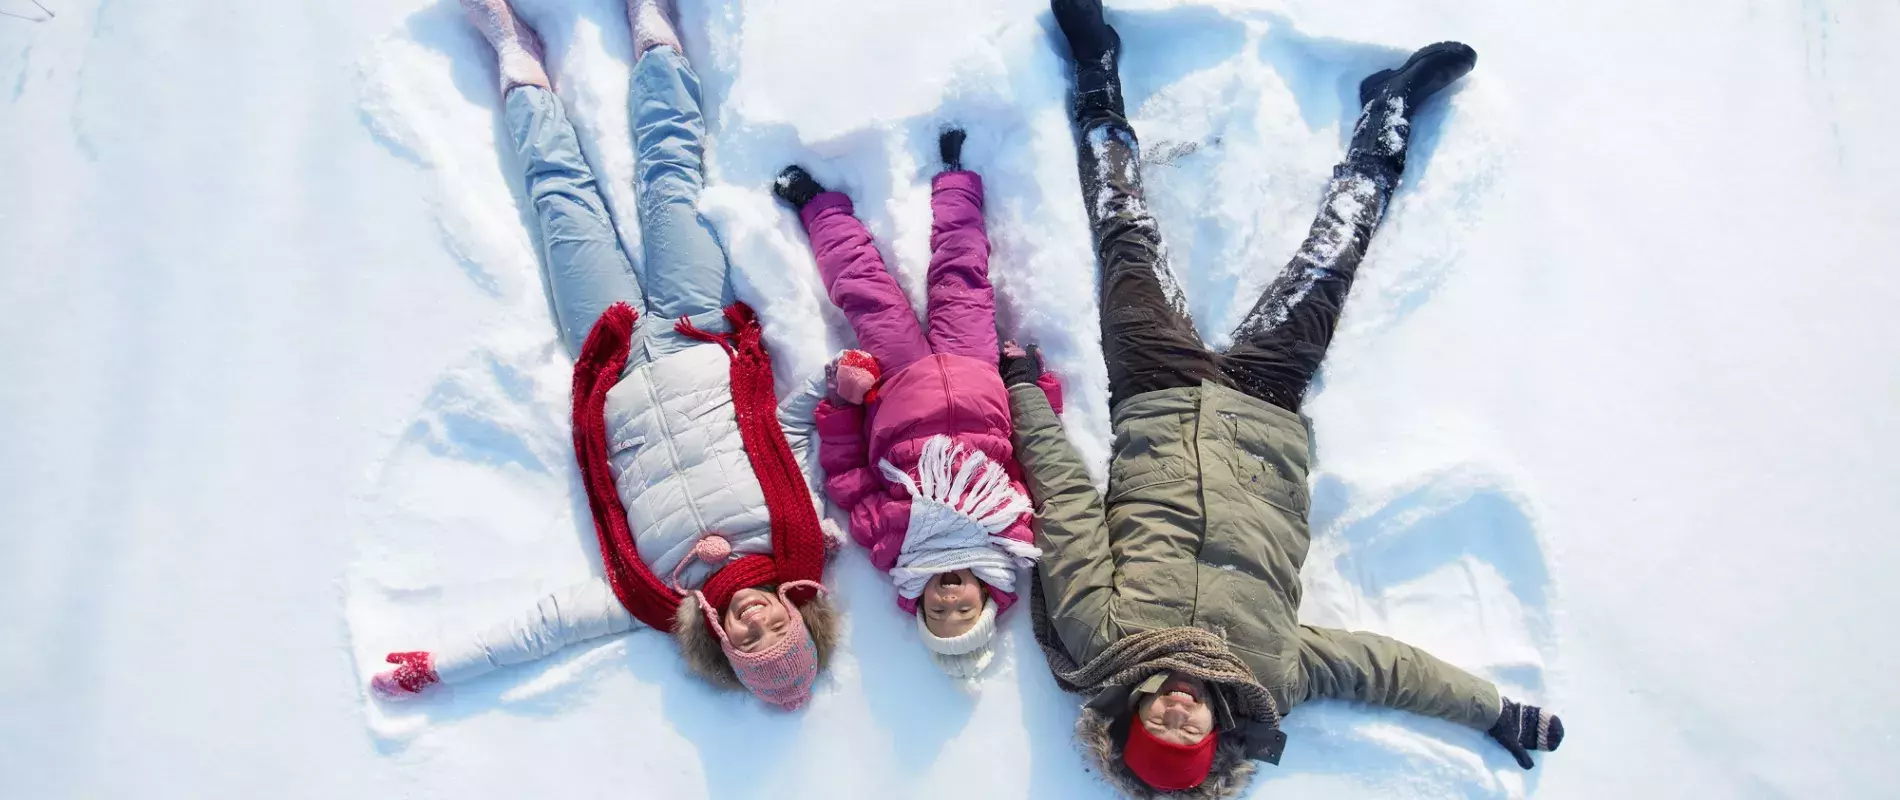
{"type": "Point", "coordinates": [1174, 601]}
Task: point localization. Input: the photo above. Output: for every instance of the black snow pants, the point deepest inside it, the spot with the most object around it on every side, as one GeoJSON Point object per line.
{"type": "Point", "coordinates": [1147, 337]}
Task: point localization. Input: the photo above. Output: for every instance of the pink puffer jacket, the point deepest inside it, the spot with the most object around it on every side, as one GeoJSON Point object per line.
{"type": "Point", "coordinates": [956, 396]}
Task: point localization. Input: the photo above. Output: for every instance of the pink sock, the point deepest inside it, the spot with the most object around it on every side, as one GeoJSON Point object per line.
{"type": "Point", "coordinates": [517, 48]}
{"type": "Point", "coordinates": [652, 23]}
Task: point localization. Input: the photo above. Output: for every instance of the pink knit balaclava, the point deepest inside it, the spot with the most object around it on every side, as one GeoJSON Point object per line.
{"type": "Point", "coordinates": [782, 674]}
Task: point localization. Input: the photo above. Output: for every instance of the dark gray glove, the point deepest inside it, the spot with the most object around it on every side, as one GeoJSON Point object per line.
{"type": "Point", "coordinates": [1522, 729]}
{"type": "Point", "coordinates": [796, 186]}
{"type": "Point", "coordinates": [1020, 365]}
{"type": "Point", "coordinates": [950, 147]}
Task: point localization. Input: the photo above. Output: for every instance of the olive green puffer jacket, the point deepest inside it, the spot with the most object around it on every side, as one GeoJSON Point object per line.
{"type": "Point", "coordinates": [1205, 525]}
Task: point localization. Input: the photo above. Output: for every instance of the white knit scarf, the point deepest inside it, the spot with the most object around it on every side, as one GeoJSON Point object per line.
{"type": "Point", "coordinates": [956, 512]}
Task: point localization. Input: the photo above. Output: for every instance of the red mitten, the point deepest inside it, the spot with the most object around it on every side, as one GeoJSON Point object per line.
{"type": "Point", "coordinates": [414, 671]}
{"type": "Point", "coordinates": [853, 377]}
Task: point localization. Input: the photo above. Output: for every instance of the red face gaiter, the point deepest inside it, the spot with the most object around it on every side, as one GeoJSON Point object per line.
{"type": "Point", "coordinates": [1166, 766]}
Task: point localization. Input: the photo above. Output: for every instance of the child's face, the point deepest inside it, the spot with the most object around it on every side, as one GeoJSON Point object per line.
{"type": "Point", "coordinates": [951, 603]}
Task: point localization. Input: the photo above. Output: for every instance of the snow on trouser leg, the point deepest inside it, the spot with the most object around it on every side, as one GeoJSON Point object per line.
{"type": "Point", "coordinates": [1389, 98]}
{"type": "Point", "coordinates": [1279, 345]}
{"type": "Point", "coordinates": [1148, 339]}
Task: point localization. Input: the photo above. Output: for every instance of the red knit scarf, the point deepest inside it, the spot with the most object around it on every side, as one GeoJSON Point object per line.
{"type": "Point", "coordinates": [798, 551]}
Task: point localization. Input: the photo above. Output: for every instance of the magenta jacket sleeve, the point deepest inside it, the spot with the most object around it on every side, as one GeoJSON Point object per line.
{"type": "Point", "coordinates": [841, 451]}
{"type": "Point", "coordinates": [878, 524]}
{"type": "Point", "coordinates": [877, 520]}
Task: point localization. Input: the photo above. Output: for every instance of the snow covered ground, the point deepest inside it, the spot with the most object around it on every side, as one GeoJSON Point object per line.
{"type": "Point", "coordinates": [1609, 419]}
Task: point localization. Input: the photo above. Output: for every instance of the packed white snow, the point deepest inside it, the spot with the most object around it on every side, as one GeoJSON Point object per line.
{"type": "Point", "coordinates": [1608, 420]}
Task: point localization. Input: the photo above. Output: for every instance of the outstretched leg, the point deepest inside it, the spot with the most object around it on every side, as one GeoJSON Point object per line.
{"type": "Point", "coordinates": [1281, 342]}
{"type": "Point", "coordinates": [853, 273]}
{"type": "Point", "coordinates": [962, 307]}
{"type": "Point", "coordinates": [1147, 338]}
{"type": "Point", "coordinates": [684, 271]}
{"type": "Point", "coordinates": [586, 268]}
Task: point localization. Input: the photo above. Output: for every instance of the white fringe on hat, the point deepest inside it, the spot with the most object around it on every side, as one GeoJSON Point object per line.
{"type": "Point", "coordinates": [956, 513]}
{"type": "Point", "coordinates": [963, 656]}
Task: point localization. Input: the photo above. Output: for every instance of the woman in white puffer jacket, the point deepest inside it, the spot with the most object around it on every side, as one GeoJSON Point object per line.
{"type": "Point", "coordinates": [700, 481]}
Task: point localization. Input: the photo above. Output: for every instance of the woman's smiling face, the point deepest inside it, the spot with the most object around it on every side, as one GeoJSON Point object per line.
{"type": "Point", "coordinates": [755, 620]}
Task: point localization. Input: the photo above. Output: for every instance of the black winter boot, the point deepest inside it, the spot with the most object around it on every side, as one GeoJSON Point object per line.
{"type": "Point", "coordinates": [1430, 69]}
{"type": "Point", "coordinates": [1096, 50]}
{"type": "Point", "coordinates": [1086, 29]}
{"type": "Point", "coordinates": [950, 147]}
{"type": "Point", "coordinates": [1391, 96]}
{"type": "Point", "coordinates": [796, 186]}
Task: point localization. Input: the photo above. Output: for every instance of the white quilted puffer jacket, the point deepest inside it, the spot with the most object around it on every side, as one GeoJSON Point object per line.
{"type": "Point", "coordinates": [677, 459]}
{"type": "Point", "coordinates": [681, 470]}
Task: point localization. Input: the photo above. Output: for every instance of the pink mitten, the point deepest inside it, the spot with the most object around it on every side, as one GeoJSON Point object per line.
{"type": "Point", "coordinates": [853, 377]}
{"type": "Point", "coordinates": [1051, 388]}
{"type": "Point", "coordinates": [414, 671]}
{"type": "Point", "coordinates": [834, 539]}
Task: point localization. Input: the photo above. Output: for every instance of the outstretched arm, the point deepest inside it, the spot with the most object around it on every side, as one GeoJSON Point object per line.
{"type": "Point", "coordinates": [848, 476]}
{"type": "Point", "coordinates": [1077, 571]}
{"type": "Point", "coordinates": [569, 616]}
{"type": "Point", "coordinates": [797, 416]}
{"type": "Point", "coordinates": [1369, 668]}
{"type": "Point", "coordinates": [839, 420]}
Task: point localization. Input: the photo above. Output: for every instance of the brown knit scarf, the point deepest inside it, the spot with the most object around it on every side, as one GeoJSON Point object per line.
{"type": "Point", "coordinates": [1132, 659]}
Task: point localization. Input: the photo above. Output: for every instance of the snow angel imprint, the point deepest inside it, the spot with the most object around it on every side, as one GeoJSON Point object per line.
{"type": "Point", "coordinates": [915, 435]}
{"type": "Point", "coordinates": [693, 468]}
{"type": "Point", "coordinates": [1173, 601]}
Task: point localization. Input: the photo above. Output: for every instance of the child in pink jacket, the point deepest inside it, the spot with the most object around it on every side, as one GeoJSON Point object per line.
{"type": "Point", "coordinates": [915, 438]}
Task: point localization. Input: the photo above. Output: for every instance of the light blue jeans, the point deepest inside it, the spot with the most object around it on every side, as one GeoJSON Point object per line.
{"type": "Point", "coordinates": [684, 271]}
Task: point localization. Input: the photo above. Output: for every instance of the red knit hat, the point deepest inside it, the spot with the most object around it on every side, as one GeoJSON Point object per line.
{"type": "Point", "coordinates": [1166, 766]}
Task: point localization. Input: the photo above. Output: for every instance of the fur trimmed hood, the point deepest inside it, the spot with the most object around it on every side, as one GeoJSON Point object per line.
{"type": "Point", "coordinates": [1101, 740]}
{"type": "Point", "coordinates": [700, 647]}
